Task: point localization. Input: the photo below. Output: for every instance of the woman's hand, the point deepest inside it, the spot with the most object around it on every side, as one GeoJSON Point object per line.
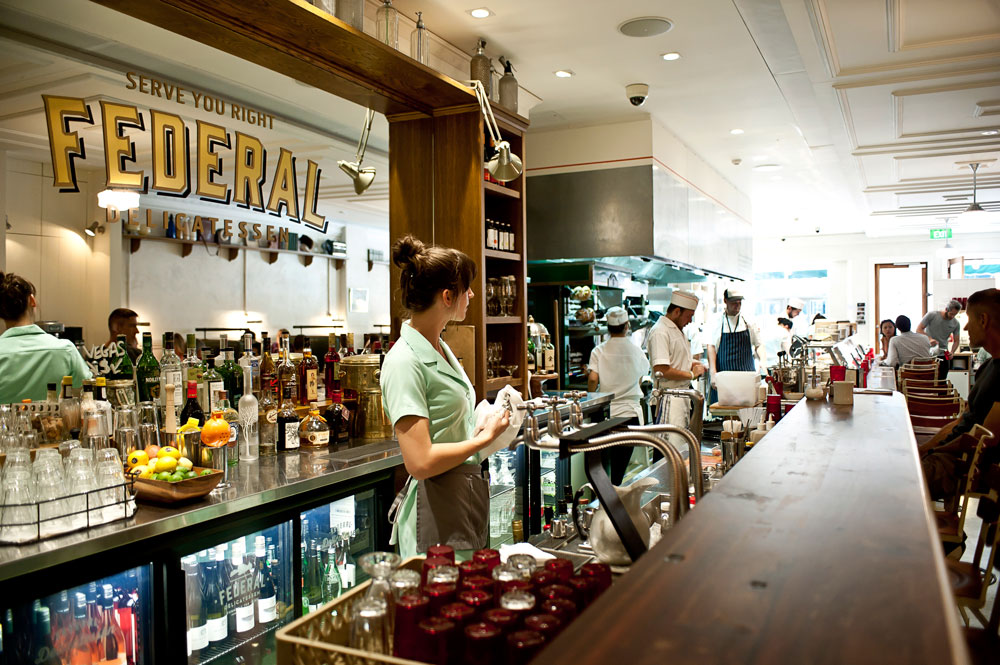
{"type": "Point", "coordinates": [494, 426]}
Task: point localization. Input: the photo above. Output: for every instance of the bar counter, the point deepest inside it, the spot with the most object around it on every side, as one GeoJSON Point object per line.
{"type": "Point", "coordinates": [818, 547]}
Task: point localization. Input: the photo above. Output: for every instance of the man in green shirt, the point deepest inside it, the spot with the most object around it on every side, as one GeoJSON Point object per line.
{"type": "Point", "coordinates": [30, 358]}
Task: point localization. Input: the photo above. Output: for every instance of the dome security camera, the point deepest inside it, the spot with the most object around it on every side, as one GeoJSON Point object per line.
{"type": "Point", "coordinates": [637, 93]}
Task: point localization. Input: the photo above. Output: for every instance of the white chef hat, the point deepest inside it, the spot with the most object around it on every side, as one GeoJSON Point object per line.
{"type": "Point", "coordinates": [617, 316]}
{"type": "Point", "coordinates": [796, 303]}
{"type": "Point", "coordinates": [684, 299]}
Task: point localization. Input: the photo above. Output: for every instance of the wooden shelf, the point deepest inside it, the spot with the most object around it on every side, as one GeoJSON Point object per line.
{"type": "Point", "coordinates": [231, 251]}
{"type": "Point", "coordinates": [493, 188]}
{"type": "Point", "coordinates": [498, 254]}
{"type": "Point", "coordinates": [503, 319]}
{"type": "Point", "coordinates": [493, 385]}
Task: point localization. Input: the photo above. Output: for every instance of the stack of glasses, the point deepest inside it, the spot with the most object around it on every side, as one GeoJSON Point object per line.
{"type": "Point", "coordinates": [480, 611]}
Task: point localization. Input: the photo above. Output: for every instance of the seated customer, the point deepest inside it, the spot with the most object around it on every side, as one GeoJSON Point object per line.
{"type": "Point", "coordinates": [30, 358]}
{"type": "Point", "coordinates": [907, 345]}
{"type": "Point", "coordinates": [942, 454]}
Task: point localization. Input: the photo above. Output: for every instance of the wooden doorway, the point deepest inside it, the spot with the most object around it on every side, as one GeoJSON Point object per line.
{"type": "Point", "coordinates": [900, 288]}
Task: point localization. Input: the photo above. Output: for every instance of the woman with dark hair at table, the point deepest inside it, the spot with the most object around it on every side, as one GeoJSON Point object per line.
{"type": "Point", "coordinates": [30, 358]}
{"type": "Point", "coordinates": [887, 330]}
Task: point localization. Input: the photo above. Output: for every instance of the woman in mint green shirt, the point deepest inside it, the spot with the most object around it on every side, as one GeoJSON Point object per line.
{"type": "Point", "coordinates": [431, 403]}
{"type": "Point", "coordinates": [30, 358]}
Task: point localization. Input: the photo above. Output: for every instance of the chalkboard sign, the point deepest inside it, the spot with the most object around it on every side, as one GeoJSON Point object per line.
{"type": "Point", "coordinates": [106, 359]}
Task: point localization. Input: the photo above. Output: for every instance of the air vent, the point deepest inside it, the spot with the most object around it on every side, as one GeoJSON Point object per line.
{"type": "Point", "coordinates": [645, 26]}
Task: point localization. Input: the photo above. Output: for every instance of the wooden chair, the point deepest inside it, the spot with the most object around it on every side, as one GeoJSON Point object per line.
{"type": "Point", "coordinates": [919, 383]}
{"type": "Point", "coordinates": [971, 579]}
{"type": "Point", "coordinates": [951, 521]}
{"type": "Point", "coordinates": [921, 373]}
{"type": "Point", "coordinates": [984, 643]}
{"type": "Point", "coordinates": [922, 363]}
{"type": "Point", "coordinates": [921, 398]}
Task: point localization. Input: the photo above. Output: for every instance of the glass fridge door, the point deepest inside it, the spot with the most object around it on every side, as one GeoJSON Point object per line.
{"type": "Point", "coordinates": [238, 594]}
{"type": "Point", "coordinates": [107, 620]}
{"type": "Point", "coordinates": [334, 536]}
{"type": "Point", "coordinates": [507, 489]}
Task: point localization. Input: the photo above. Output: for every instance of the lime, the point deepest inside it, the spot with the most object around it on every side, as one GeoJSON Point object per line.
{"type": "Point", "coordinates": [163, 475]}
{"type": "Point", "coordinates": [205, 472]}
{"type": "Point", "coordinates": [176, 477]}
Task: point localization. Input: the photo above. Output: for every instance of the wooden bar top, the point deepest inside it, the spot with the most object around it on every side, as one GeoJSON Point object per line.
{"type": "Point", "coordinates": [818, 547]}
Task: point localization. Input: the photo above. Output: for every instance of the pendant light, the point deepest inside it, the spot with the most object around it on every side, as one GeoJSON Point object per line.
{"type": "Point", "coordinates": [504, 165]}
{"type": "Point", "coordinates": [362, 177]}
{"type": "Point", "coordinates": [975, 212]}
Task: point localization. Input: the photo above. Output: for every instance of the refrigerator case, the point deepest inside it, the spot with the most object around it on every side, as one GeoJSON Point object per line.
{"type": "Point", "coordinates": [237, 594]}
{"type": "Point", "coordinates": [106, 620]}
{"type": "Point", "coordinates": [334, 537]}
{"type": "Point", "coordinates": [507, 493]}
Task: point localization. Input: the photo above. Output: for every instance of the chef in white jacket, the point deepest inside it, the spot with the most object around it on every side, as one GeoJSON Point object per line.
{"type": "Point", "coordinates": [800, 323]}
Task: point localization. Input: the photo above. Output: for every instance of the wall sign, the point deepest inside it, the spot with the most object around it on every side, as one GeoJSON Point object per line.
{"type": "Point", "coordinates": [104, 359]}
{"type": "Point", "coordinates": [860, 320]}
{"type": "Point", "coordinates": [228, 166]}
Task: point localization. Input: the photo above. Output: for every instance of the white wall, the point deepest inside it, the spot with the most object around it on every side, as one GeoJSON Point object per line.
{"type": "Point", "coordinates": [850, 260]}
{"type": "Point", "coordinates": [46, 245]}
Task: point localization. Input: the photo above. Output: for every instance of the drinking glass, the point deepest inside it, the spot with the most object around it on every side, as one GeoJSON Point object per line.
{"type": "Point", "coordinates": [126, 440]}
{"type": "Point", "coordinates": [17, 522]}
{"type": "Point", "coordinates": [111, 480]}
{"type": "Point", "coordinates": [52, 509]}
{"type": "Point", "coordinates": [446, 574]}
{"type": "Point", "coordinates": [523, 562]}
{"type": "Point", "coordinates": [369, 629]}
{"type": "Point", "coordinates": [79, 481]}
{"type": "Point", "coordinates": [380, 567]}
{"type": "Point", "coordinates": [404, 581]}
{"type": "Point", "coordinates": [149, 425]}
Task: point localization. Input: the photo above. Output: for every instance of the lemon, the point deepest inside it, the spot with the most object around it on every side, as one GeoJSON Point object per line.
{"type": "Point", "coordinates": [170, 451]}
{"type": "Point", "coordinates": [147, 473]}
{"type": "Point", "coordinates": [185, 463]}
{"type": "Point", "coordinates": [138, 458]}
{"type": "Point", "coordinates": [165, 464]}
{"type": "Point", "coordinates": [190, 426]}
{"type": "Point", "coordinates": [138, 470]}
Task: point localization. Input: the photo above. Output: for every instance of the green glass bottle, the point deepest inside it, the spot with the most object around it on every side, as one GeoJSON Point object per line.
{"type": "Point", "coordinates": [148, 372]}
{"type": "Point", "coordinates": [232, 375]}
{"type": "Point", "coordinates": [125, 367]}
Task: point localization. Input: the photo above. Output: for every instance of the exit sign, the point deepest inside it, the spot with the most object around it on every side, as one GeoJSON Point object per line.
{"type": "Point", "coordinates": [940, 234]}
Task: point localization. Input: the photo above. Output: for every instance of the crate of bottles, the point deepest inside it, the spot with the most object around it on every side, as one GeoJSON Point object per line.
{"type": "Point", "coordinates": [429, 610]}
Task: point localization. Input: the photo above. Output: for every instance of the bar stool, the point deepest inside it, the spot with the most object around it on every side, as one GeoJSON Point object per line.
{"type": "Point", "coordinates": [970, 579]}
{"type": "Point", "coordinates": [951, 521]}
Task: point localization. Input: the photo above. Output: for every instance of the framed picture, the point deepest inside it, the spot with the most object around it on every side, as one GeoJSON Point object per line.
{"type": "Point", "coordinates": [359, 300]}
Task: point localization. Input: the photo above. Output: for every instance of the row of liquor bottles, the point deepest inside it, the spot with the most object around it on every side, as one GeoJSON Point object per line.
{"type": "Point", "coordinates": [500, 235]}
{"type": "Point", "coordinates": [100, 622]}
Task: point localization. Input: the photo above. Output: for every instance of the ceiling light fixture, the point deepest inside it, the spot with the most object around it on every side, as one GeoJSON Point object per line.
{"type": "Point", "coordinates": [481, 12]}
{"type": "Point", "coordinates": [673, 55]}
{"type": "Point", "coordinates": [990, 132]}
{"type": "Point", "coordinates": [974, 212]}
{"type": "Point", "coordinates": [362, 177]}
{"type": "Point", "coordinates": [119, 199]}
{"type": "Point", "coordinates": [504, 165]}
{"type": "Point", "coordinates": [736, 132]}
{"type": "Point", "coordinates": [767, 168]}
{"type": "Point", "coordinates": [564, 73]}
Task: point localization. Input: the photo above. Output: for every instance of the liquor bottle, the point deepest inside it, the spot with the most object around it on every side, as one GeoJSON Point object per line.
{"type": "Point", "coordinates": [94, 619]}
{"type": "Point", "coordinates": [191, 366]}
{"type": "Point", "coordinates": [268, 372]}
{"type": "Point", "coordinates": [124, 370]}
{"type": "Point", "coordinates": [148, 372]}
{"type": "Point", "coordinates": [314, 433]}
{"type": "Point", "coordinates": [51, 393]}
{"type": "Point", "coordinates": [286, 373]}
{"type": "Point", "coordinates": [332, 586]}
{"type": "Point", "coordinates": [268, 419]}
{"type": "Point", "coordinates": [192, 408]}
{"type": "Point", "coordinates": [231, 416]}
{"type": "Point", "coordinates": [42, 650]}
{"type": "Point", "coordinates": [214, 597]}
{"type": "Point", "coordinates": [243, 598]}
{"type": "Point", "coordinates": [348, 566]}
{"type": "Point", "coordinates": [170, 417]}
{"type": "Point", "coordinates": [312, 592]}
{"type": "Point", "coordinates": [308, 377]}
{"type": "Point", "coordinates": [223, 345]}
{"type": "Point", "coordinates": [197, 628]}
{"type": "Point", "coordinates": [212, 385]}
{"type": "Point", "coordinates": [79, 645]}
{"type": "Point", "coordinates": [288, 422]}
{"type": "Point", "coordinates": [129, 615]}
{"type": "Point", "coordinates": [331, 366]}
{"type": "Point", "coordinates": [248, 359]}
{"type": "Point", "coordinates": [170, 370]}
{"type": "Point", "coordinates": [112, 640]}
{"type": "Point", "coordinates": [266, 602]}
{"type": "Point", "coordinates": [236, 370]}
{"type": "Point", "coordinates": [531, 355]}
{"type": "Point", "coordinates": [101, 398]}
{"type": "Point", "coordinates": [62, 626]}
{"type": "Point", "coordinates": [249, 417]}
{"type": "Point", "coordinates": [550, 355]}
{"type": "Point", "coordinates": [337, 416]}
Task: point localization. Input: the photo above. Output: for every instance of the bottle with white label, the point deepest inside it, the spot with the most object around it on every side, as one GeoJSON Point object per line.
{"type": "Point", "coordinates": [314, 433]}
{"type": "Point", "coordinates": [267, 602]}
{"type": "Point", "coordinates": [214, 597]}
{"type": "Point", "coordinates": [550, 355]}
{"type": "Point", "coordinates": [242, 590]}
{"type": "Point", "coordinates": [288, 422]}
{"type": "Point", "coordinates": [171, 373]}
{"type": "Point", "coordinates": [197, 629]}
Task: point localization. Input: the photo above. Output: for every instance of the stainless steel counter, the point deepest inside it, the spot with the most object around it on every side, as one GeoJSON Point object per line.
{"type": "Point", "coordinates": [255, 484]}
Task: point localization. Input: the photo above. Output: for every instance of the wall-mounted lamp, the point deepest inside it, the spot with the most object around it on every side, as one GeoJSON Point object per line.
{"type": "Point", "coordinates": [94, 229]}
{"type": "Point", "coordinates": [119, 199]}
{"type": "Point", "coordinates": [362, 177]}
{"type": "Point", "coordinates": [504, 165]}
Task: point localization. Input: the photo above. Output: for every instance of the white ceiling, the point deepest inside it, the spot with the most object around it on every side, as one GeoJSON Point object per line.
{"type": "Point", "coordinates": [866, 104]}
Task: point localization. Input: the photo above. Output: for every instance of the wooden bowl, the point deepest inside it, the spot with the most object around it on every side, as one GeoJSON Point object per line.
{"type": "Point", "coordinates": [163, 491]}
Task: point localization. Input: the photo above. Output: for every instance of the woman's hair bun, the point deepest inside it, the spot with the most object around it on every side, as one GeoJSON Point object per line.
{"type": "Point", "coordinates": [406, 249]}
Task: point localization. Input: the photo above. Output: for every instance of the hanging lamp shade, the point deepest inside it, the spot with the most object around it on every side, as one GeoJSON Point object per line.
{"type": "Point", "coordinates": [362, 177]}
{"type": "Point", "coordinates": [504, 165]}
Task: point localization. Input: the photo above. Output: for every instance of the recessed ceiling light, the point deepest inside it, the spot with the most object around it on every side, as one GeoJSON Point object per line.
{"type": "Point", "coordinates": [481, 12]}
{"type": "Point", "coordinates": [645, 26]}
{"type": "Point", "coordinates": [564, 73]}
{"type": "Point", "coordinates": [764, 168]}
{"type": "Point", "coordinates": [736, 132]}
{"type": "Point", "coordinates": [990, 132]}
{"type": "Point", "coordinates": [673, 55]}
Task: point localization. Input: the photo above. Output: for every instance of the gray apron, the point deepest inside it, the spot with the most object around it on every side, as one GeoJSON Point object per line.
{"type": "Point", "coordinates": [453, 508]}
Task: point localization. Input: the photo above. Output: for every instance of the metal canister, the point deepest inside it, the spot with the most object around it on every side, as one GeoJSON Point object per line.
{"type": "Point", "coordinates": [121, 392]}
{"type": "Point", "coordinates": [359, 375]}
